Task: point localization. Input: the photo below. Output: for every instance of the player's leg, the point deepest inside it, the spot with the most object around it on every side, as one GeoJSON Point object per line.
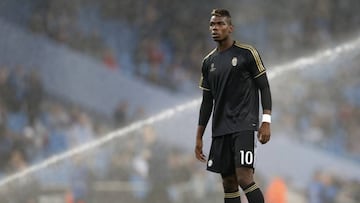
{"type": "Point", "coordinates": [221, 161]}
{"type": "Point", "coordinates": [245, 144]}
{"type": "Point", "coordinates": [231, 188]}
{"type": "Point", "coordinates": [246, 182]}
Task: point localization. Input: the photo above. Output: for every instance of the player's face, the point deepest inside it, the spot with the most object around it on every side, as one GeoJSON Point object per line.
{"type": "Point", "coordinates": [220, 28]}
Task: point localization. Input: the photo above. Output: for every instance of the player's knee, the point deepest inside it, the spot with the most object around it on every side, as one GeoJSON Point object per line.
{"type": "Point", "coordinates": [230, 184]}
{"type": "Point", "coordinates": [244, 176]}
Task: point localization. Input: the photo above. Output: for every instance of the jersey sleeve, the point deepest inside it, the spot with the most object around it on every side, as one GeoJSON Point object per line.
{"type": "Point", "coordinates": [204, 84]}
{"type": "Point", "coordinates": [256, 66]}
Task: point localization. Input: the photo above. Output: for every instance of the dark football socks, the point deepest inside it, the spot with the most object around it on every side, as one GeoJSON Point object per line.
{"type": "Point", "coordinates": [253, 193]}
{"type": "Point", "coordinates": [232, 197]}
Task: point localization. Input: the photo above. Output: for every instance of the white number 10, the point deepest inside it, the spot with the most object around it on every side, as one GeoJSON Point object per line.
{"type": "Point", "coordinates": [246, 157]}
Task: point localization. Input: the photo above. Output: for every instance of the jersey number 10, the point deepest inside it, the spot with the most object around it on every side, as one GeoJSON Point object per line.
{"type": "Point", "coordinates": [246, 157]}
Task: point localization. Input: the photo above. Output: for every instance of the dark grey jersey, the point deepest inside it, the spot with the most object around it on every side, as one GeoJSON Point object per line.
{"type": "Point", "coordinates": [229, 76]}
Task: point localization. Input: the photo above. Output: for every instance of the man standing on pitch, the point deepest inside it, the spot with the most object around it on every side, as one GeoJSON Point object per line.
{"type": "Point", "coordinates": [232, 77]}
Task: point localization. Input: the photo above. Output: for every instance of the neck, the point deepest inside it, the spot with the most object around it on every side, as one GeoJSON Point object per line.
{"type": "Point", "coordinates": [225, 44]}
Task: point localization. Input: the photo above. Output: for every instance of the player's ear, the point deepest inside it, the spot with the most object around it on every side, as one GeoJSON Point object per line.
{"type": "Point", "coordinates": [231, 28]}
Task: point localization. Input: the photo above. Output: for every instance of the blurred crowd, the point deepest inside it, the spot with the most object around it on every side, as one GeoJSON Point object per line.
{"type": "Point", "coordinates": [164, 42]}
{"type": "Point", "coordinates": [145, 39]}
{"type": "Point", "coordinates": [325, 110]}
{"type": "Point", "coordinates": [21, 95]}
{"type": "Point", "coordinates": [330, 188]}
{"type": "Point", "coordinates": [34, 125]}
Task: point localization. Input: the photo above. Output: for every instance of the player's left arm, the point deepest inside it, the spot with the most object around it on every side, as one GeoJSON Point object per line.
{"type": "Point", "coordinates": [266, 102]}
{"type": "Point", "coordinates": [258, 71]}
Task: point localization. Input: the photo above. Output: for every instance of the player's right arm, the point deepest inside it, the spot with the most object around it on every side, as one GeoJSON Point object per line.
{"type": "Point", "coordinates": [205, 113]}
{"type": "Point", "coordinates": [204, 116]}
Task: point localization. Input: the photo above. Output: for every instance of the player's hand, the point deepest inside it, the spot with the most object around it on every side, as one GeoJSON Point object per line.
{"type": "Point", "coordinates": [264, 133]}
{"type": "Point", "coordinates": [198, 150]}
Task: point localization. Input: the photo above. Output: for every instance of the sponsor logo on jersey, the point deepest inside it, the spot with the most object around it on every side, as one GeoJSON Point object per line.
{"type": "Point", "coordinates": [212, 68]}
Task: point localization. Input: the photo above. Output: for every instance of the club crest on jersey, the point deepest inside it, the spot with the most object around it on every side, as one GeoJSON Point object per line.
{"type": "Point", "coordinates": [212, 67]}
{"type": "Point", "coordinates": [234, 61]}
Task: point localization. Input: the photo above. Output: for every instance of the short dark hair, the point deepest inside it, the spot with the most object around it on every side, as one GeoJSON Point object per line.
{"type": "Point", "coordinates": [220, 12]}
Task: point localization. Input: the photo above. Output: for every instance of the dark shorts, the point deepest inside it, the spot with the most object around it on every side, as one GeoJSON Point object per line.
{"type": "Point", "coordinates": [232, 151]}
